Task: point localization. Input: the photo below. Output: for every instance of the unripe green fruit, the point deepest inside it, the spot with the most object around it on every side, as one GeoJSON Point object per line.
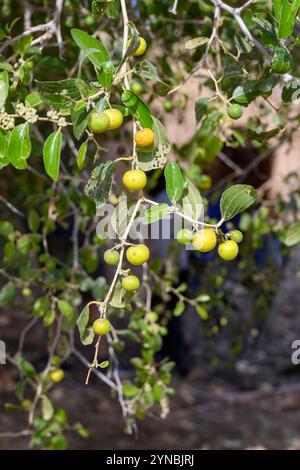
{"type": "Point", "coordinates": [98, 122]}
{"type": "Point", "coordinates": [235, 111]}
{"type": "Point", "coordinates": [111, 257]}
{"type": "Point", "coordinates": [204, 182]}
{"type": "Point", "coordinates": [184, 236]}
{"type": "Point", "coordinates": [101, 326]}
{"type": "Point", "coordinates": [228, 250]}
{"type": "Point", "coordinates": [26, 404]}
{"type": "Point", "coordinates": [137, 88]}
{"type": "Point", "coordinates": [26, 292]}
{"type": "Point", "coordinates": [168, 106]}
{"type": "Point", "coordinates": [57, 375]}
{"type": "Point", "coordinates": [89, 21]}
{"type": "Point", "coordinates": [236, 236]}
{"type": "Point", "coordinates": [130, 283]}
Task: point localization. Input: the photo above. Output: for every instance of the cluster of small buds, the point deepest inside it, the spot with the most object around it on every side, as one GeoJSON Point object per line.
{"type": "Point", "coordinates": [52, 114]}
{"type": "Point", "coordinates": [55, 116]}
{"type": "Point", "coordinates": [27, 112]}
{"type": "Point", "coordinates": [7, 122]}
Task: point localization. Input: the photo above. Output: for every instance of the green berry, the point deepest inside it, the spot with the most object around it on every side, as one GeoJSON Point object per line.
{"type": "Point", "coordinates": [236, 236]}
{"type": "Point", "coordinates": [98, 122]}
{"type": "Point", "coordinates": [111, 257]}
{"type": "Point", "coordinates": [185, 236]}
{"type": "Point", "coordinates": [26, 292]}
{"type": "Point", "coordinates": [168, 106]}
{"type": "Point", "coordinates": [235, 111]}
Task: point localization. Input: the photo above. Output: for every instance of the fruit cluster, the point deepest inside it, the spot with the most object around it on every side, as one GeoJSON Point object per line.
{"type": "Point", "coordinates": [205, 240]}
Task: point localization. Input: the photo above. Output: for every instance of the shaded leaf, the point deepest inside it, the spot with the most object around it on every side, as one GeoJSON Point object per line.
{"type": "Point", "coordinates": [99, 184]}
{"type": "Point", "coordinates": [86, 333]}
{"type": "Point", "coordinates": [174, 182]}
{"type": "Point", "coordinates": [236, 199]}
{"type": "Point", "coordinates": [138, 108]}
{"type": "Point", "coordinates": [19, 146]}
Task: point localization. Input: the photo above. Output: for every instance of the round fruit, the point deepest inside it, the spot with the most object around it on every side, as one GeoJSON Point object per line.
{"type": "Point", "coordinates": [101, 326]}
{"type": "Point", "coordinates": [185, 236]}
{"type": "Point", "coordinates": [137, 255]}
{"type": "Point", "coordinates": [142, 47]}
{"type": "Point", "coordinates": [26, 292]}
{"type": "Point", "coordinates": [130, 283]}
{"type": "Point", "coordinates": [89, 21]}
{"type": "Point", "coordinates": [137, 88]}
{"type": "Point", "coordinates": [57, 375]}
{"type": "Point", "coordinates": [204, 182]}
{"type": "Point", "coordinates": [168, 106]}
{"type": "Point", "coordinates": [144, 138]}
{"type": "Point", "coordinates": [111, 257]}
{"type": "Point", "coordinates": [235, 111]}
{"type": "Point", "coordinates": [205, 240]}
{"type": "Point", "coordinates": [236, 236]}
{"type": "Point", "coordinates": [115, 118]}
{"type": "Point", "coordinates": [134, 180]}
{"type": "Point", "coordinates": [98, 122]}
{"type": "Point", "coordinates": [228, 250]}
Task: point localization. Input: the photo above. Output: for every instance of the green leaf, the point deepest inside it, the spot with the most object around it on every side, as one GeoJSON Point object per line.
{"type": "Point", "coordinates": [179, 309]}
{"type": "Point", "coordinates": [6, 228]}
{"type": "Point", "coordinates": [138, 108]}
{"type": "Point", "coordinates": [285, 12]}
{"type": "Point", "coordinates": [7, 294]}
{"type": "Point", "coordinates": [202, 312]}
{"type": "Point", "coordinates": [201, 107]}
{"type": "Point", "coordinates": [19, 146]}
{"type": "Point", "coordinates": [47, 408]}
{"type": "Point", "coordinates": [66, 309]}
{"type": "Point", "coordinates": [130, 390]}
{"type": "Point", "coordinates": [86, 333]}
{"type": "Point", "coordinates": [99, 7]}
{"type": "Point", "coordinates": [104, 364]}
{"type": "Point", "coordinates": [81, 155]}
{"type": "Point", "coordinates": [291, 91]}
{"type": "Point", "coordinates": [292, 235]}
{"type": "Point", "coordinates": [106, 74]}
{"type": "Point", "coordinates": [60, 94]}
{"type": "Point", "coordinates": [282, 60]}
{"type": "Point", "coordinates": [147, 70]}
{"type": "Point", "coordinates": [79, 116]}
{"type": "Point", "coordinates": [195, 42]}
{"type": "Point", "coordinates": [51, 154]}
{"type": "Point", "coordinates": [191, 203]}
{"type": "Point", "coordinates": [4, 160]}
{"type": "Point", "coordinates": [33, 99]}
{"type": "Point", "coordinates": [157, 157]}
{"type": "Point", "coordinates": [91, 47]}
{"type": "Point", "coordinates": [174, 182]}
{"type": "Point", "coordinates": [264, 135]}
{"type": "Point", "coordinates": [113, 9]}
{"type": "Point", "coordinates": [247, 92]}
{"type": "Point", "coordinates": [98, 187]}
{"type": "Point", "coordinates": [155, 213]}
{"type": "Point", "coordinates": [25, 366]}
{"type": "Point", "coordinates": [33, 220]}
{"type": "Point", "coordinates": [118, 298]}
{"type": "Point", "coordinates": [236, 199]}
{"type": "Point", "coordinates": [4, 87]}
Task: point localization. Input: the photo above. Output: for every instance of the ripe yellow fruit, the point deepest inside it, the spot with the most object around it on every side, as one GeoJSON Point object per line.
{"type": "Point", "coordinates": [137, 255]}
{"type": "Point", "coordinates": [135, 180]}
{"type": "Point", "coordinates": [57, 375]}
{"type": "Point", "coordinates": [115, 118]}
{"type": "Point", "coordinates": [101, 326]}
{"type": "Point", "coordinates": [141, 49]}
{"type": "Point", "coordinates": [205, 240]}
{"type": "Point", "coordinates": [144, 138]}
{"type": "Point", "coordinates": [228, 250]}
